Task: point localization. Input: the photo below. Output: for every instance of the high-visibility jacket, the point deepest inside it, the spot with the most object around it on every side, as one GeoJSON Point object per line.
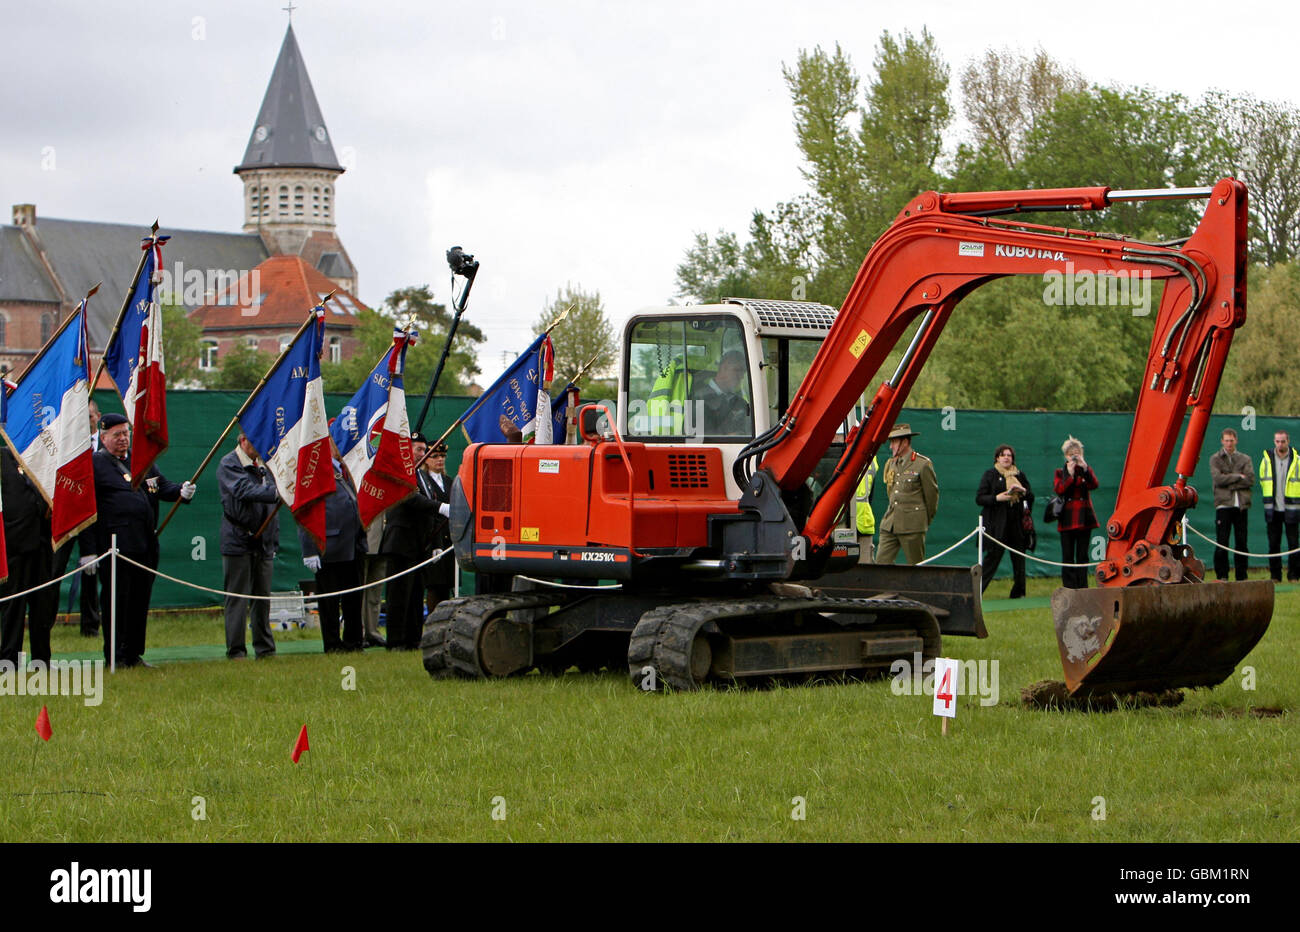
{"type": "Point", "coordinates": [1290, 490]}
{"type": "Point", "coordinates": [668, 400]}
{"type": "Point", "coordinates": [866, 518]}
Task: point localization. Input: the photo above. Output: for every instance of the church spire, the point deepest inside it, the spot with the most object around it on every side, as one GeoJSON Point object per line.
{"type": "Point", "coordinates": [290, 130]}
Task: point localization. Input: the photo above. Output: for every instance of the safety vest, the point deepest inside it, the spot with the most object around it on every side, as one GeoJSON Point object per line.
{"type": "Point", "coordinates": [866, 518]}
{"type": "Point", "coordinates": [668, 400]}
{"type": "Point", "coordinates": [1290, 491]}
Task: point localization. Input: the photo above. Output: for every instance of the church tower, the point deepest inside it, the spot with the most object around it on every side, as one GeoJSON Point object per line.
{"type": "Point", "coordinates": [289, 171]}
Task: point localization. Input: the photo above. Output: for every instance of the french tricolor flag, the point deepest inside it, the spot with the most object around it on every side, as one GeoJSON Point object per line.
{"type": "Point", "coordinates": [134, 359]}
{"type": "Point", "coordinates": [5, 386]}
{"type": "Point", "coordinates": [286, 422]}
{"type": "Point", "coordinates": [49, 428]}
{"type": "Point", "coordinates": [373, 434]}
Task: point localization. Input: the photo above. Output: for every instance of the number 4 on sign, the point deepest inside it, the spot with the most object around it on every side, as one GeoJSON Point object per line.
{"type": "Point", "coordinates": [945, 689]}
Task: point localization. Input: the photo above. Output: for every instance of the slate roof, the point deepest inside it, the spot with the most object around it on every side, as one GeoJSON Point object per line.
{"type": "Point", "coordinates": [290, 129]}
{"type": "Point", "coordinates": [288, 288]}
{"type": "Point", "coordinates": [22, 276]}
{"type": "Point", "coordinates": [84, 252]}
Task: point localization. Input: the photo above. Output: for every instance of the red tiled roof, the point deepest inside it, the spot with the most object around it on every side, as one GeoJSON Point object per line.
{"type": "Point", "coordinates": [287, 288]}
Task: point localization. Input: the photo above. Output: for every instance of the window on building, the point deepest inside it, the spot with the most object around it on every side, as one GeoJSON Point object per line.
{"type": "Point", "coordinates": [315, 202]}
{"type": "Point", "coordinates": [336, 349]}
{"type": "Point", "coordinates": [208, 356]}
{"type": "Point", "coordinates": [47, 328]}
{"type": "Point", "coordinates": [251, 343]}
{"type": "Point", "coordinates": [284, 200]}
{"type": "Point", "coordinates": [325, 202]}
{"type": "Point", "coordinates": [299, 193]}
{"type": "Point", "coordinates": [3, 325]}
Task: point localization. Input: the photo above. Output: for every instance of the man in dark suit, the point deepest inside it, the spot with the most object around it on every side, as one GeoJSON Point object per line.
{"type": "Point", "coordinates": [339, 567]}
{"type": "Point", "coordinates": [440, 577]}
{"type": "Point", "coordinates": [132, 515]}
{"type": "Point", "coordinates": [27, 539]}
{"type": "Point", "coordinates": [408, 540]}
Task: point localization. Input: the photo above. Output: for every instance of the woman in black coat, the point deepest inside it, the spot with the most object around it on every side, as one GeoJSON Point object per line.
{"type": "Point", "coordinates": [1004, 493]}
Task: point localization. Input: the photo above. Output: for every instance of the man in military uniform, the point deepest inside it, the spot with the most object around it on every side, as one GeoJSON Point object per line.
{"type": "Point", "coordinates": [132, 515]}
{"type": "Point", "coordinates": [913, 499]}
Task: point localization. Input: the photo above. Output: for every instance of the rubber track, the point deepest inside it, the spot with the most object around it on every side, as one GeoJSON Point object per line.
{"type": "Point", "coordinates": [434, 640]}
{"type": "Point", "coordinates": [663, 637]}
{"type": "Point", "coordinates": [473, 613]}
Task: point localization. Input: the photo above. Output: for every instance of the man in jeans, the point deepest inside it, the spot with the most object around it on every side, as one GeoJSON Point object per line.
{"type": "Point", "coordinates": [1233, 479]}
{"type": "Point", "coordinates": [1279, 481]}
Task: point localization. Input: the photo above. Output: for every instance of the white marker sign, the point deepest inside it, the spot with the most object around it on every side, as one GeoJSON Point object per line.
{"type": "Point", "coordinates": [945, 686]}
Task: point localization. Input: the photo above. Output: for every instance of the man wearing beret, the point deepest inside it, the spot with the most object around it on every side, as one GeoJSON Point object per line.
{"type": "Point", "coordinates": [132, 515]}
{"type": "Point", "coordinates": [913, 491]}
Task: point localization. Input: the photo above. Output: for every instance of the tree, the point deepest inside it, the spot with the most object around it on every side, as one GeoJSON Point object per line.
{"type": "Point", "coordinates": [1264, 142]}
{"type": "Point", "coordinates": [584, 333]}
{"type": "Point", "coordinates": [241, 368]}
{"type": "Point", "coordinates": [413, 304]}
{"type": "Point", "coordinates": [1260, 367]}
{"type": "Point", "coordinates": [182, 344]}
{"type": "Point", "coordinates": [1005, 94]}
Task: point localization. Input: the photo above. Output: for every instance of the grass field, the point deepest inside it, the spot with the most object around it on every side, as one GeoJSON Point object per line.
{"type": "Point", "coordinates": [589, 757]}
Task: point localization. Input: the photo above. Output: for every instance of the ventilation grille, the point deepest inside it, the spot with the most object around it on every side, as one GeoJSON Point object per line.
{"type": "Point", "coordinates": [687, 471]}
{"type": "Point", "coordinates": [793, 317]}
{"type": "Point", "coordinates": [498, 485]}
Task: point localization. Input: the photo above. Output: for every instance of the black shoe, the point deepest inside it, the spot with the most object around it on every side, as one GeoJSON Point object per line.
{"type": "Point", "coordinates": [141, 662]}
{"type": "Point", "coordinates": [269, 655]}
{"type": "Point", "coordinates": [374, 640]}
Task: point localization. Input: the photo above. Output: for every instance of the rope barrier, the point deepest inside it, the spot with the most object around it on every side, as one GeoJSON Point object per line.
{"type": "Point", "coordinates": [1030, 556]}
{"type": "Point", "coordinates": [52, 582]}
{"type": "Point", "coordinates": [950, 549]}
{"type": "Point", "coordinates": [1242, 553]}
{"type": "Point", "coordinates": [314, 596]}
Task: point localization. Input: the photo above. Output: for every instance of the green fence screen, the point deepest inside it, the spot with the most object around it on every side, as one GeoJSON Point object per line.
{"type": "Point", "coordinates": [961, 443]}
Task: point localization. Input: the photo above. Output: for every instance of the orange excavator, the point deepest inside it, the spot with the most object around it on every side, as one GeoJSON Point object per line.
{"type": "Point", "coordinates": [714, 497]}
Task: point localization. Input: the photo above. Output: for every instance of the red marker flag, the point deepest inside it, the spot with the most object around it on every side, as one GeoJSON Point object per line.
{"type": "Point", "coordinates": [298, 746]}
{"type": "Point", "coordinates": [43, 724]}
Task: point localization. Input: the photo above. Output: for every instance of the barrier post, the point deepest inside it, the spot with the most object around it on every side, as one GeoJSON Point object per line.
{"type": "Point", "coordinates": [979, 541]}
{"type": "Point", "coordinates": [112, 608]}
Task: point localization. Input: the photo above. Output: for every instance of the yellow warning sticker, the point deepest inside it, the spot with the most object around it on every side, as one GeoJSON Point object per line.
{"type": "Point", "coordinates": [529, 535]}
{"type": "Point", "coordinates": [860, 344]}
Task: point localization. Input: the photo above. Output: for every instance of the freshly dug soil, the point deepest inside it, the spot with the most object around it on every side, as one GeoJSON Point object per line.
{"type": "Point", "coordinates": [1052, 694]}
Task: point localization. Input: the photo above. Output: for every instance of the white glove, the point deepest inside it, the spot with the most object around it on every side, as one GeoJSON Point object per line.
{"type": "Point", "coordinates": [445, 510]}
{"type": "Point", "coordinates": [88, 565]}
{"type": "Point", "coordinates": [187, 490]}
{"type": "Point", "coordinates": [312, 563]}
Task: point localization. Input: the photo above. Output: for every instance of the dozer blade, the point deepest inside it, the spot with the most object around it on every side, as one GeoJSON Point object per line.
{"type": "Point", "coordinates": [1152, 638]}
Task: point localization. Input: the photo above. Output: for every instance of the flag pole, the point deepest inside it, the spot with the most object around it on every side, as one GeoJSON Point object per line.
{"type": "Point", "coordinates": [311, 319]}
{"type": "Point", "coordinates": [126, 301]}
{"type": "Point", "coordinates": [483, 397]}
{"type": "Point", "coordinates": [467, 266]}
{"type": "Point", "coordinates": [57, 333]}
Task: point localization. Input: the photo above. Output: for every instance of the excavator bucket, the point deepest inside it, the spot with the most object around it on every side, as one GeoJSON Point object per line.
{"type": "Point", "coordinates": [1152, 638]}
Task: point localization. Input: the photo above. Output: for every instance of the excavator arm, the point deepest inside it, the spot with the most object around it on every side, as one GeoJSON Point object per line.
{"type": "Point", "coordinates": [940, 248]}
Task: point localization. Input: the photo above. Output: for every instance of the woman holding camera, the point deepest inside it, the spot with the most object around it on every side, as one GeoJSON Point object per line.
{"type": "Point", "coordinates": [1004, 493]}
{"type": "Point", "coordinates": [1073, 483]}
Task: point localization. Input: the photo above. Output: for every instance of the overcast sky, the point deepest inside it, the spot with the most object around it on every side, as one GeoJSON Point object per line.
{"type": "Point", "coordinates": [560, 142]}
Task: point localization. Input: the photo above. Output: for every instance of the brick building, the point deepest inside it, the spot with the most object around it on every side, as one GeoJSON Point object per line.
{"type": "Point", "coordinates": [237, 286]}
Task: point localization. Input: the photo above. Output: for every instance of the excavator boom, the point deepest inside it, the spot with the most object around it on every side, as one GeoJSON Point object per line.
{"type": "Point", "coordinates": [943, 246]}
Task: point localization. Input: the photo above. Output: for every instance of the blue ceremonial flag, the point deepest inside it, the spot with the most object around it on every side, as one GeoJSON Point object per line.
{"type": "Point", "coordinates": [511, 401]}
{"type": "Point", "coordinates": [286, 423]}
{"type": "Point", "coordinates": [123, 353]}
